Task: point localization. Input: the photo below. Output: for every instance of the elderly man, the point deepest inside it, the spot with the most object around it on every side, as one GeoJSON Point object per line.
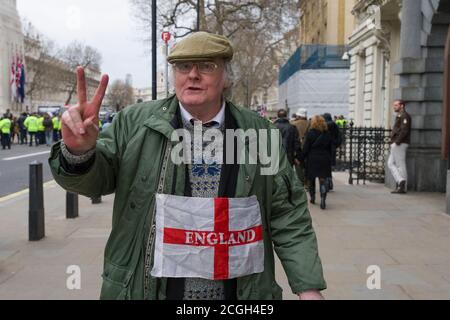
{"type": "Point", "coordinates": [188, 230]}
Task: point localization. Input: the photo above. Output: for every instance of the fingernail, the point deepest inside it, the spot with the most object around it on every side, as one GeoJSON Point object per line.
{"type": "Point", "coordinates": [82, 131]}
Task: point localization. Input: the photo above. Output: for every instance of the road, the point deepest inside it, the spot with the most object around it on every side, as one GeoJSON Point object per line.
{"type": "Point", "coordinates": [14, 167]}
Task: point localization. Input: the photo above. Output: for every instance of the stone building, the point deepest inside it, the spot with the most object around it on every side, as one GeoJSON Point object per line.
{"type": "Point", "coordinates": [397, 52]}
{"type": "Point", "coordinates": [47, 83]}
{"type": "Point", "coordinates": [375, 48]}
{"type": "Point", "coordinates": [50, 80]}
{"type": "Point", "coordinates": [11, 45]}
{"type": "Point", "coordinates": [326, 21]}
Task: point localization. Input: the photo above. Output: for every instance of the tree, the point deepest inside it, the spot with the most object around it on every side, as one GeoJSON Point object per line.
{"type": "Point", "coordinates": [120, 94]}
{"type": "Point", "coordinates": [74, 55]}
{"type": "Point", "coordinates": [40, 54]}
{"type": "Point", "coordinates": [261, 32]}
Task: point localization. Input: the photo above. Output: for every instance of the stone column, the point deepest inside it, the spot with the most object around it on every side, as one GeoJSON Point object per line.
{"type": "Point", "coordinates": [411, 28]}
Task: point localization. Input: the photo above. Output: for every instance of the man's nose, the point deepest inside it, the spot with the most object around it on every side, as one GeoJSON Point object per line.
{"type": "Point", "coordinates": [194, 73]}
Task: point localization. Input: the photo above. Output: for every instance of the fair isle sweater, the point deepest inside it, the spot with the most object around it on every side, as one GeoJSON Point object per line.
{"type": "Point", "coordinates": [204, 179]}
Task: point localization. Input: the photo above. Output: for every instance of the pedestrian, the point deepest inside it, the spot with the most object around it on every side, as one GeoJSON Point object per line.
{"type": "Point", "coordinates": [109, 121]}
{"type": "Point", "coordinates": [156, 195]}
{"type": "Point", "coordinates": [15, 130]}
{"type": "Point", "coordinates": [301, 123]}
{"type": "Point", "coordinates": [56, 127]}
{"type": "Point", "coordinates": [41, 129]}
{"type": "Point", "coordinates": [317, 156]}
{"type": "Point", "coordinates": [5, 130]}
{"type": "Point", "coordinates": [23, 129]}
{"type": "Point", "coordinates": [32, 125]}
{"type": "Point", "coordinates": [48, 125]}
{"type": "Point", "coordinates": [400, 140]}
{"type": "Point", "coordinates": [289, 135]}
{"type": "Point", "coordinates": [336, 141]}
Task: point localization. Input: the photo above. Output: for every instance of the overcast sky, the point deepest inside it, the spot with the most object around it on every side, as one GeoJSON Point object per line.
{"type": "Point", "coordinates": [106, 25]}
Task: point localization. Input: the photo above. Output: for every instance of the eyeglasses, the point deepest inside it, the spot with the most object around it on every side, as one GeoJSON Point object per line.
{"type": "Point", "coordinates": [204, 67]}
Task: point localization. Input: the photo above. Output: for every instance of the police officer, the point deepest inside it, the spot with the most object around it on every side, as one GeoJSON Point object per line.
{"type": "Point", "coordinates": [56, 127]}
{"type": "Point", "coordinates": [5, 128]}
{"type": "Point", "coordinates": [31, 123]}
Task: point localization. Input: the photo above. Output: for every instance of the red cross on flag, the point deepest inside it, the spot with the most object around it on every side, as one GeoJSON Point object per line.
{"type": "Point", "coordinates": [209, 238]}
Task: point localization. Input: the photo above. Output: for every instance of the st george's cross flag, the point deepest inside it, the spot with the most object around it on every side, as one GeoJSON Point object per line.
{"type": "Point", "coordinates": [209, 238]}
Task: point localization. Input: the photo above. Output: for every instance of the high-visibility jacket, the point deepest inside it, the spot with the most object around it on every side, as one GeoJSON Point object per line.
{"type": "Point", "coordinates": [56, 123]}
{"type": "Point", "coordinates": [41, 126]}
{"type": "Point", "coordinates": [31, 123]}
{"type": "Point", "coordinates": [5, 126]}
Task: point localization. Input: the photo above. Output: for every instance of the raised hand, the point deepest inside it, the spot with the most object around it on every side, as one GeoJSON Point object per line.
{"type": "Point", "coordinates": [80, 122]}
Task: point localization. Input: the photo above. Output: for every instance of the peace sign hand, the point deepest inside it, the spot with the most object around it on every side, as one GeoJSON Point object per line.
{"type": "Point", "coordinates": [80, 122]}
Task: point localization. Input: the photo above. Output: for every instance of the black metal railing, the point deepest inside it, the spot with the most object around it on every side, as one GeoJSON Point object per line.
{"type": "Point", "coordinates": [363, 153]}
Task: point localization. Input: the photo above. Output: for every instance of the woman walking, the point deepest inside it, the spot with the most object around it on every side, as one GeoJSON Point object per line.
{"type": "Point", "coordinates": [317, 157]}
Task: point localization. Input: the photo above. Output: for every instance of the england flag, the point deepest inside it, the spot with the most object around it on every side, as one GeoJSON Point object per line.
{"type": "Point", "coordinates": [209, 238]}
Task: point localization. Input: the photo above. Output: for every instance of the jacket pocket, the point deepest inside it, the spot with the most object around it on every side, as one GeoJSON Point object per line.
{"type": "Point", "coordinates": [116, 282]}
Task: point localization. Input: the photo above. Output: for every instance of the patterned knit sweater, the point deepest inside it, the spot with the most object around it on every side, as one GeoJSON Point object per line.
{"type": "Point", "coordinates": [204, 179]}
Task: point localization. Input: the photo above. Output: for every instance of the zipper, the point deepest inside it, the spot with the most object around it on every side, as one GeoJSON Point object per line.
{"type": "Point", "coordinates": [151, 238]}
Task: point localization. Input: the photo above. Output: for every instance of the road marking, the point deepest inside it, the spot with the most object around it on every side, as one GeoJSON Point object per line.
{"type": "Point", "coordinates": [26, 156]}
{"type": "Point", "coordinates": [48, 184]}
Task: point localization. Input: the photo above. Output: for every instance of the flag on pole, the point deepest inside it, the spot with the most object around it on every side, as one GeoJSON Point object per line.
{"type": "Point", "coordinates": [18, 76]}
{"type": "Point", "coordinates": [13, 80]}
{"type": "Point", "coordinates": [21, 95]}
{"type": "Point", "coordinates": [209, 238]}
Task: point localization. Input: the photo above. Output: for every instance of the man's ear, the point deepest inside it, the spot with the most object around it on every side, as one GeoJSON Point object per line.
{"type": "Point", "coordinates": [228, 84]}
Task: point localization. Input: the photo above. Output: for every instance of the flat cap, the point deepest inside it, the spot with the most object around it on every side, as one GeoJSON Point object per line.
{"type": "Point", "coordinates": [200, 46]}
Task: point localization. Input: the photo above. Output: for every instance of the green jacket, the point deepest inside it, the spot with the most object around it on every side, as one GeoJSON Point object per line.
{"type": "Point", "coordinates": [132, 159]}
{"type": "Point", "coordinates": [5, 126]}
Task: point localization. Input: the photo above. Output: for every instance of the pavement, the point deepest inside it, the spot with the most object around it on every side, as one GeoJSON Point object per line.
{"type": "Point", "coordinates": [404, 238]}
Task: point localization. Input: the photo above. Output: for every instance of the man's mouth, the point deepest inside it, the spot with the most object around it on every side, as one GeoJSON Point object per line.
{"type": "Point", "coordinates": [194, 89]}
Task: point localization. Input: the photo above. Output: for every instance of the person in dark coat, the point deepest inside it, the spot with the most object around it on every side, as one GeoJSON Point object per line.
{"type": "Point", "coordinates": [291, 140]}
{"type": "Point", "coordinates": [317, 157]}
{"type": "Point", "coordinates": [336, 141]}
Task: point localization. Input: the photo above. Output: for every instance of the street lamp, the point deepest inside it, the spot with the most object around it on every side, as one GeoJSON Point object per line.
{"type": "Point", "coordinates": [346, 56]}
{"type": "Point", "coordinates": [154, 53]}
{"type": "Point", "coordinates": [198, 15]}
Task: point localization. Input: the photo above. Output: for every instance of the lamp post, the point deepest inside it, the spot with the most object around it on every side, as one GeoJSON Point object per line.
{"type": "Point", "coordinates": [154, 53]}
{"type": "Point", "coordinates": [198, 14]}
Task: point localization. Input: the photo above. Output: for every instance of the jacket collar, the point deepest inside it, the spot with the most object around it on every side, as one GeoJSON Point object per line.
{"type": "Point", "coordinates": [166, 116]}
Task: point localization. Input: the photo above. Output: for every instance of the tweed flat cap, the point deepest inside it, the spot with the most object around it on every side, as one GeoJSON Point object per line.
{"type": "Point", "coordinates": [200, 46]}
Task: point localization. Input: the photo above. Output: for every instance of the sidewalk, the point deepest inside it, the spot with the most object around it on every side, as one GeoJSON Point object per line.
{"type": "Point", "coordinates": [407, 236]}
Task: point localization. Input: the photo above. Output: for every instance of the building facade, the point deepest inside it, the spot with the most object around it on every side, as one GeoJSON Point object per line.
{"type": "Point", "coordinates": [11, 46]}
{"type": "Point", "coordinates": [397, 52]}
{"type": "Point", "coordinates": [50, 80]}
{"type": "Point", "coordinates": [316, 77]}
{"type": "Point", "coordinates": [326, 21]}
{"type": "Point", "coordinates": [145, 94]}
{"type": "Point", "coordinates": [374, 50]}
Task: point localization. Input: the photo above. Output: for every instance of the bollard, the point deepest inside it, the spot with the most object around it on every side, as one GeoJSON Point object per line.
{"type": "Point", "coordinates": [96, 200]}
{"type": "Point", "coordinates": [36, 219]}
{"type": "Point", "coordinates": [71, 205]}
